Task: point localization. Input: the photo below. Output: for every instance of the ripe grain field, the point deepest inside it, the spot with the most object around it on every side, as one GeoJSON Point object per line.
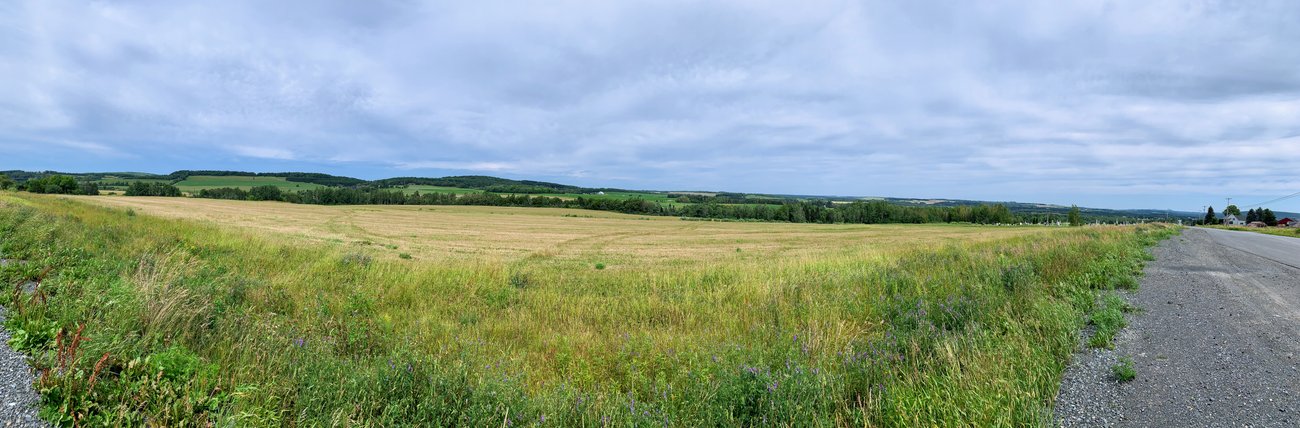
{"type": "Point", "coordinates": [259, 313]}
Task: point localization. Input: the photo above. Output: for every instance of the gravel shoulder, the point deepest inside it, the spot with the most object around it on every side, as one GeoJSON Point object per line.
{"type": "Point", "coordinates": [1216, 343]}
{"type": "Point", "coordinates": [18, 401]}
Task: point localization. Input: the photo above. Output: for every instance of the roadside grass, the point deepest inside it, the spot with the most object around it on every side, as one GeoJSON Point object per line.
{"type": "Point", "coordinates": [1124, 371]}
{"type": "Point", "coordinates": [146, 320]}
{"type": "Point", "coordinates": [1108, 318]}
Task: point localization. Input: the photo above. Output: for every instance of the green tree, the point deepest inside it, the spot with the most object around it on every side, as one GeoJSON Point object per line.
{"type": "Point", "coordinates": [88, 188]}
{"type": "Point", "coordinates": [1075, 219]}
{"type": "Point", "coordinates": [6, 182]}
{"type": "Point", "coordinates": [56, 184]}
{"type": "Point", "coordinates": [1252, 216]}
{"type": "Point", "coordinates": [1268, 217]}
{"type": "Point", "coordinates": [1232, 209]}
{"type": "Point", "coordinates": [1209, 216]}
{"type": "Point", "coordinates": [264, 193]}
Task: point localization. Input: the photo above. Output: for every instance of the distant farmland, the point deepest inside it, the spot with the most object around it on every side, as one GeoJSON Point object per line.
{"type": "Point", "coordinates": [195, 183]}
{"type": "Point", "coordinates": [199, 182]}
{"type": "Point", "coordinates": [456, 315]}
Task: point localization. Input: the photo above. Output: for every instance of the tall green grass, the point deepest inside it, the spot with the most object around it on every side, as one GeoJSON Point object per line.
{"type": "Point", "coordinates": [141, 320]}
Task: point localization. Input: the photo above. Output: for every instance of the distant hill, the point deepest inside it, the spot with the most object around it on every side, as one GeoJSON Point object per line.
{"type": "Point", "coordinates": [483, 182]}
{"type": "Point", "coordinates": [505, 185]}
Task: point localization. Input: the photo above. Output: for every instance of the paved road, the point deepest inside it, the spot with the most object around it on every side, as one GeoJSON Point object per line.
{"type": "Point", "coordinates": [1217, 342]}
{"type": "Point", "coordinates": [1281, 249]}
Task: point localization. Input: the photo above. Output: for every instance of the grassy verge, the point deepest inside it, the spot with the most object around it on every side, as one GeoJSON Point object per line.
{"type": "Point", "coordinates": [142, 320]}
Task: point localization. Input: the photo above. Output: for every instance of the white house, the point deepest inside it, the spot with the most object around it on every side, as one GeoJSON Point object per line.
{"type": "Point", "coordinates": [1232, 220]}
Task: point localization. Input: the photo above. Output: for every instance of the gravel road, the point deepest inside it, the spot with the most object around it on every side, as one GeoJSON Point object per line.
{"type": "Point", "coordinates": [1216, 343]}
{"type": "Point", "coordinates": [18, 400]}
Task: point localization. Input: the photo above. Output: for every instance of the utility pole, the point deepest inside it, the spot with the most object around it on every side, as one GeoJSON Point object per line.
{"type": "Point", "coordinates": [1229, 203]}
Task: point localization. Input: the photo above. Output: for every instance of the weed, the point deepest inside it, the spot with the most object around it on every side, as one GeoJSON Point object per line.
{"type": "Point", "coordinates": [406, 256]}
{"type": "Point", "coordinates": [1108, 318]}
{"type": "Point", "coordinates": [520, 280]}
{"type": "Point", "coordinates": [600, 266]}
{"type": "Point", "coordinates": [356, 259]}
{"type": "Point", "coordinates": [1124, 371]}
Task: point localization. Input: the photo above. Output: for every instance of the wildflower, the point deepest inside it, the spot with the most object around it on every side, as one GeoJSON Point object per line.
{"type": "Point", "coordinates": [772, 387]}
{"type": "Point", "coordinates": [300, 342]}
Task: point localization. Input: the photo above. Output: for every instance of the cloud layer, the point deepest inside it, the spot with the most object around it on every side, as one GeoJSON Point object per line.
{"type": "Point", "coordinates": [1123, 104]}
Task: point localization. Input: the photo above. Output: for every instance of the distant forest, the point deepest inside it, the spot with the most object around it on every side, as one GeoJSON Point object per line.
{"type": "Point", "coordinates": [496, 191]}
{"type": "Point", "coordinates": [865, 212]}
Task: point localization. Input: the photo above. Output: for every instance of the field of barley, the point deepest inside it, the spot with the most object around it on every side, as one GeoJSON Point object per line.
{"type": "Point", "coordinates": [269, 314]}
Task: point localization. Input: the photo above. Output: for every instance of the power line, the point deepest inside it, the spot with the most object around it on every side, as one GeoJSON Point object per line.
{"type": "Point", "coordinates": [1274, 201]}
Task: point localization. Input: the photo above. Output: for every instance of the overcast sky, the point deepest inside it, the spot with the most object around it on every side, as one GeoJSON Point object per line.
{"type": "Point", "coordinates": [1128, 104]}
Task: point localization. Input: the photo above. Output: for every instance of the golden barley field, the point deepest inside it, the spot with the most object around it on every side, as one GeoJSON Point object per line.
{"type": "Point", "coordinates": [434, 233]}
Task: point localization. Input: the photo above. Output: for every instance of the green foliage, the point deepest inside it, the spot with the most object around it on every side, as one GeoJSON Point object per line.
{"type": "Point", "coordinates": [1124, 371]}
{"type": "Point", "coordinates": [60, 184]}
{"type": "Point", "coordinates": [1233, 210]}
{"type": "Point", "coordinates": [32, 335]}
{"type": "Point", "coordinates": [1268, 217]}
{"type": "Point", "coordinates": [6, 182]}
{"type": "Point", "coordinates": [1209, 216]}
{"type": "Point", "coordinates": [1108, 319]}
{"type": "Point", "coordinates": [138, 188]}
{"type": "Point", "coordinates": [264, 193]}
{"type": "Point", "coordinates": [1073, 216]}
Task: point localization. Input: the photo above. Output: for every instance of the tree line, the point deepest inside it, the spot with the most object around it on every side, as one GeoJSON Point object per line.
{"type": "Point", "coordinates": [1262, 215]}
{"type": "Point", "coordinates": [139, 188]}
{"type": "Point", "coordinates": [867, 212]}
{"type": "Point", "coordinates": [53, 184]}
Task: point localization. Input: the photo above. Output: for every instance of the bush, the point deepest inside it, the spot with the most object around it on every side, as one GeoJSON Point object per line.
{"type": "Point", "coordinates": [139, 188]}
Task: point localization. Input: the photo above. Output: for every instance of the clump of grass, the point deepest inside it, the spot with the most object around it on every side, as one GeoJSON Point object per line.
{"type": "Point", "coordinates": [356, 259]}
{"type": "Point", "coordinates": [600, 266]}
{"type": "Point", "coordinates": [406, 256]}
{"type": "Point", "coordinates": [520, 280]}
{"type": "Point", "coordinates": [1124, 371]}
{"type": "Point", "coordinates": [1108, 318]}
{"type": "Point", "coordinates": [390, 246]}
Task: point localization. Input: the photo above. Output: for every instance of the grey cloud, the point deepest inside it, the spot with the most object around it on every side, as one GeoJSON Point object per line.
{"type": "Point", "coordinates": [1083, 100]}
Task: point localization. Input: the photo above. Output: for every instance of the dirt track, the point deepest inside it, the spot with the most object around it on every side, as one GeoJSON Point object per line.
{"type": "Point", "coordinates": [1217, 342]}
